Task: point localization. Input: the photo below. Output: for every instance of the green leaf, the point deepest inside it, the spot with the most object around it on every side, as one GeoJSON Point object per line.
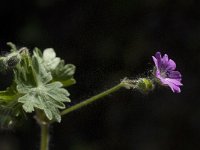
{"type": "Point", "coordinates": [49, 97]}
{"type": "Point", "coordinates": [10, 110]}
{"type": "Point", "coordinates": [12, 46]}
{"type": "Point", "coordinates": [34, 81]}
{"type": "Point", "coordinates": [8, 95]}
{"type": "Point", "coordinates": [60, 71]}
{"type": "Point", "coordinates": [11, 114]}
{"type": "Point", "coordinates": [24, 74]}
{"type": "Point", "coordinates": [41, 74]}
{"type": "Point", "coordinates": [50, 59]}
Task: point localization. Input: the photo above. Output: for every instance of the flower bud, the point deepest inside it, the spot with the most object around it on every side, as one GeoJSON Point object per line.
{"type": "Point", "coordinates": [145, 85]}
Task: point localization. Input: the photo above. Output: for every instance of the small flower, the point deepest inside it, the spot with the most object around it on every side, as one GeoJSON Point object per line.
{"type": "Point", "coordinates": [165, 72]}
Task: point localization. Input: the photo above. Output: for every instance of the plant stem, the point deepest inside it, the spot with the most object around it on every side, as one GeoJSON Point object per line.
{"type": "Point", "coordinates": [44, 143]}
{"type": "Point", "coordinates": [44, 124]}
{"type": "Point", "coordinates": [92, 99]}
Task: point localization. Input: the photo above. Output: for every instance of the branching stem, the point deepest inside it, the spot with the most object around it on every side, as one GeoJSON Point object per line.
{"type": "Point", "coordinates": [44, 144]}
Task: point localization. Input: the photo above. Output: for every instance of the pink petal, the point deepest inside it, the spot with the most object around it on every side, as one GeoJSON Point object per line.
{"type": "Point", "coordinates": [174, 88]}
{"type": "Point", "coordinates": [171, 65]}
{"type": "Point", "coordinates": [174, 81]}
{"type": "Point", "coordinates": [175, 75]}
{"type": "Point", "coordinates": [155, 61]}
{"type": "Point", "coordinates": [158, 55]}
{"type": "Point", "coordinates": [165, 59]}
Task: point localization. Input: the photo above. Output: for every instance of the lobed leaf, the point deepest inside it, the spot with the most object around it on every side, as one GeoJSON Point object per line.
{"type": "Point", "coordinates": [38, 84]}
{"type": "Point", "coordinates": [40, 92]}
{"type": "Point", "coordinates": [10, 110]}
{"type": "Point", "coordinates": [60, 71]}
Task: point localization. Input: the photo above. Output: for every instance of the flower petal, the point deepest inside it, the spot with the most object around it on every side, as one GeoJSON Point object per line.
{"type": "Point", "coordinates": [175, 75]}
{"type": "Point", "coordinates": [174, 81]}
{"type": "Point", "coordinates": [164, 62]}
{"type": "Point", "coordinates": [165, 59]}
{"type": "Point", "coordinates": [158, 55]}
{"type": "Point", "coordinates": [159, 59]}
{"type": "Point", "coordinates": [171, 65]}
{"type": "Point", "coordinates": [175, 88]}
{"type": "Point", "coordinates": [155, 61]}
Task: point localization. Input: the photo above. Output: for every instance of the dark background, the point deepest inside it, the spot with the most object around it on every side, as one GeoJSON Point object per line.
{"type": "Point", "coordinates": [108, 40]}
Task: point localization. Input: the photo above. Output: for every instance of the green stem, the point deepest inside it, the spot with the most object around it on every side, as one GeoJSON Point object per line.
{"type": "Point", "coordinates": [92, 99]}
{"type": "Point", "coordinates": [44, 144]}
{"type": "Point", "coordinates": [44, 124]}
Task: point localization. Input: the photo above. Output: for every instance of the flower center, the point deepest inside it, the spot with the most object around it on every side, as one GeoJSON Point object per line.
{"type": "Point", "coordinates": [164, 73]}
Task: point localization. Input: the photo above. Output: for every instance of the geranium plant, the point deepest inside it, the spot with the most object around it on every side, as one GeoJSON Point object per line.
{"type": "Point", "coordinates": [41, 80]}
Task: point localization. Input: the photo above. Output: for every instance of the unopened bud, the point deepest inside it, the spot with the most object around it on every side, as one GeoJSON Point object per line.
{"type": "Point", "coordinates": [145, 85]}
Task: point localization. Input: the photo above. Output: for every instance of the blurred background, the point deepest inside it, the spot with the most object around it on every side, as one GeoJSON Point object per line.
{"type": "Point", "coordinates": [108, 40]}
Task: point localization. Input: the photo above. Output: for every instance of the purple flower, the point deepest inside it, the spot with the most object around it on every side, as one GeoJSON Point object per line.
{"type": "Point", "coordinates": [165, 72]}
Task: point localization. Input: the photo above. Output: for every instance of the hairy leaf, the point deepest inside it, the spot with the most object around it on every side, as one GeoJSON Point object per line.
{"type": "Point", "coordinates": [60, 71]}
{"type": "Point", "coordinates": [10, 110]}
{"type": "Point", "coordinates": [34, 81]}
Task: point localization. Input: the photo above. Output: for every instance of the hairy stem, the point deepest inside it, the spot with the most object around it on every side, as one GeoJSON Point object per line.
{"type": "Point", "coordinates": [44, 124]}
{"type": "Point", "coordinates": [92, 99]}
{"type": "Point", "coordinates": [44, 143]}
